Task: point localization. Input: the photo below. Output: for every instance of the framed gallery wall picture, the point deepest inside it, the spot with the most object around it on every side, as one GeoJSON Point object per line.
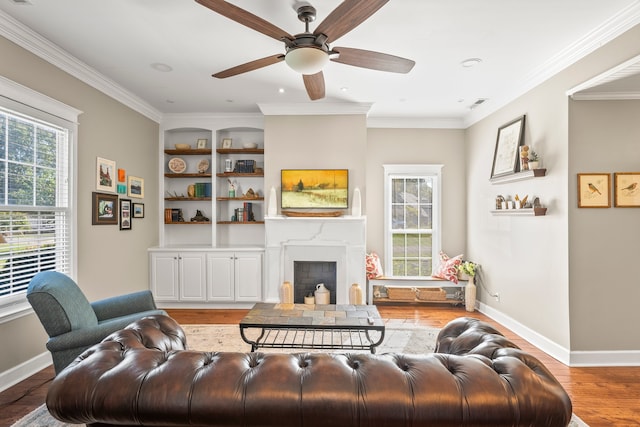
{"type": "Point", "coordinates": [594, 190]}
{"type": "Point", "coordinates": [507, 153]}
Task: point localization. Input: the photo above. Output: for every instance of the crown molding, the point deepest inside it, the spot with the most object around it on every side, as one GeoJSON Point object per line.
{"type": "Point", "coordinates": [618, 24]}
{"type": "Point", "coordinates": [315, 109]}
{"type": "Point", "coordinates": [33, 42]}
{"type": "Point", "coordinates": [415, 122]}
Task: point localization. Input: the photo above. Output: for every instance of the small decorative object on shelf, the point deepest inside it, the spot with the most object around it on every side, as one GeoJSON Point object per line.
{"type": "Point", "coordinates": [199, 217]}
{"type": "Point", "coordinates": [534, 160]}
{"type": "Point", "coordinates": [203, 166]}
{"type": "Point", "coordinates": [183, 146]}
{"type": "Point", "coordinates": [524, 157]}
{"type": "Point", "coordinates": [177, 165]}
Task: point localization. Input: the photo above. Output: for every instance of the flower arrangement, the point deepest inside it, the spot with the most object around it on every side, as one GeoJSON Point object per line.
{"type": "Point", "coordinates": [533, 156]}
{"type": "Point", "coordinates": [469, 268]}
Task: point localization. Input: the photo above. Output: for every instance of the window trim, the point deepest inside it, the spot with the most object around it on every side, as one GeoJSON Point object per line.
{"type": "Point", "coordinates": [26, 101]}
{"type": "Point", "coordinates": [394, 171]}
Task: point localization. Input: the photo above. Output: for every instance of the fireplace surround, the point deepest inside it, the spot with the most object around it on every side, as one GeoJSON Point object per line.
{"type": "Point", "coordinates": [339, 240]}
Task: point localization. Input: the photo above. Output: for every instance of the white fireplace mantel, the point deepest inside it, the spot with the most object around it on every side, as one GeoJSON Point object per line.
{"type": "Point", "coordinates": [336, 239]}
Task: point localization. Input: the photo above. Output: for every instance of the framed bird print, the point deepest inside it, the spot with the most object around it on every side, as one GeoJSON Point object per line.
{"type": "Point", "coordinates": [627, 189]}
{"type": "Point", "coordinates": [594, 190]}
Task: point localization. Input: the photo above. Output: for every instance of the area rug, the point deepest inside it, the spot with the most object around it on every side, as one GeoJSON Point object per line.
{"type": "Point", "coordinates": [400, 338]}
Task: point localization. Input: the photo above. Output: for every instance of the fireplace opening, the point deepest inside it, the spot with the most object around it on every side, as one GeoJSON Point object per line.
{"type": "Point", "coordinates": [307, 274]}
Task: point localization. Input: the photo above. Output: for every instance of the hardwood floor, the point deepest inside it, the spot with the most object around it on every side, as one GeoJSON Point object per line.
{"type": "Point", "coordinates": [601, 396]}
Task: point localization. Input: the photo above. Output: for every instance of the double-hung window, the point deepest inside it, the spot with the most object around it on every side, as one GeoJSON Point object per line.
{"type": "Point", "coordinates": [411, 219]}
{"type": "Point", "coordinates": [36, 216]}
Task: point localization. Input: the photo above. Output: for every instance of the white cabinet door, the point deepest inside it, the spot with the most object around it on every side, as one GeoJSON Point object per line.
{"type": "Point", "coordinates": [248, 276]}
{"type": "Point", "coordinates": [192, 276]}
{"type": "Point", "coordinates": [220, 276]}
{"type": "Point", "coordinates": [164, 276]}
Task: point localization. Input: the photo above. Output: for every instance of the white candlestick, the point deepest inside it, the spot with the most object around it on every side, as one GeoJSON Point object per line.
{"type": "Point", "coordinates": [273, 203]}
{"type": "Point", "coordinates": [356, 205]}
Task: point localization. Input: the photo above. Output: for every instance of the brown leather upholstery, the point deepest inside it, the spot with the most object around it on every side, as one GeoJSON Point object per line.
{"type": "Point", "coordinates": [143, 376]}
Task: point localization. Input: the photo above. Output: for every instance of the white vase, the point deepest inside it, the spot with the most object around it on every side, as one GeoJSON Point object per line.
{"type": "Point", "coordinates": [356, 203]}
{"type": "Point", "coordinates": [286, 293]}
{"type": "Point", "coordinates": [355, 294]}
{"type": "Point", "coordinates": [273, 203]}
{"type": "Point", "coordinates": [470, 295]}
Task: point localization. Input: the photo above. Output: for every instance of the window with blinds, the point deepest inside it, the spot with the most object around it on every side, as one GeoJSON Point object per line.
{"type": "Point", "coordinates": [412, 212]}
{"type": "Point", "coordinates": [35, 214]}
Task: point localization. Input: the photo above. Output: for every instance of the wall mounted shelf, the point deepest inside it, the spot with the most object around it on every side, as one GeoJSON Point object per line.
{"type": "Point", "coordinates": [521, 212]}
{"type": "Point", "coordinates": [519, 176]}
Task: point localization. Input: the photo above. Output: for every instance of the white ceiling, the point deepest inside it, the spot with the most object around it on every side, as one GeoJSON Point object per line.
{"type": "Point", "coordinates": [520, 42]}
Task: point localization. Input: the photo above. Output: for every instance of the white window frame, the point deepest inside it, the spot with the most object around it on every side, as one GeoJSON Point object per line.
{"type": "Point", "coordinates": [23, 100]}
{"type": "Point", "coordinates": [433, 171]}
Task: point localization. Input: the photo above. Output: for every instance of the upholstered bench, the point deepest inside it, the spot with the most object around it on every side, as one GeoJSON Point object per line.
{"type": "Point", "coordinates": [143, 375]}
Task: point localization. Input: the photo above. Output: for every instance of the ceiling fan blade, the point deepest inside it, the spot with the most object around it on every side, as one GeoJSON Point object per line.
{"type": "Point", "coordinates": [347, 16]}
{"type": "Point", "coordinates": [373, 60]}
{"type": "Point", "coordinates": [250, 66]}
{"type": "Point", "coordinates": [314, 83]}
{"type": "Point", "coordinates": [246, 18]}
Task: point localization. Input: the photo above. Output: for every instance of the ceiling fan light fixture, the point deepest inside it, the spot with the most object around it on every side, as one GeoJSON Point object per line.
{"type": "Point", "coordinates": [307, 60]}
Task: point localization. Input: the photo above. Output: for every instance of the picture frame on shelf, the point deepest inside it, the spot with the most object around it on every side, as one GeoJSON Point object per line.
{"type": "Point", "coordinates": [135, 187]}
{"type": "Point", "coordinates": [138, 210]}
{"type": "Point", "coordinates": [626, 189]}
{"type": "Point", "coordinates": [201, 143]}
{"type": "Point", "coordinates": [227, 143]}
{"type": "Point", "coordinates": [506, 155]}
{"type": "Point", "coordinates": [594, 190]}
{"type": "Point", "coordinates": [105, 175]}
{"type": "Point", "coordinates": [125, 214]}
{"type": "Point", "coordinates": [103, 209]}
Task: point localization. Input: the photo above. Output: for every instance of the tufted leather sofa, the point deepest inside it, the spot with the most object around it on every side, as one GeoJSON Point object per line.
{"type": "Point", "coordinates": [143, 375]}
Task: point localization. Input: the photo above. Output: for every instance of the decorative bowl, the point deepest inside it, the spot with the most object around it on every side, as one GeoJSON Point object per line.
{"type": "Point", "coordinates": [250, 145]}
{"type": "Point", "coordinates": [183, 147]}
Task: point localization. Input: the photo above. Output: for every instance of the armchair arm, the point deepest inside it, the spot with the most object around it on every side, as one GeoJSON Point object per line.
{"type": "Point", "coordinates": [123, 305]}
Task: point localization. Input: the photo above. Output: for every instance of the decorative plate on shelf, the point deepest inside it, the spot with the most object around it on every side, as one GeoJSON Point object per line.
{"type": "Point", "coordinates": [177, 165]}
{"type": "Point", "coordinates": [203, 165]}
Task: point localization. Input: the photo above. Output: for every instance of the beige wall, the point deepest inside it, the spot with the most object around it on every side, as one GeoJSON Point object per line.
{"type": "Point", "coordinates": [542, 267]}
{"type": "Point", "coordinates": [418, 146]}
{"type": "Point", "coordinates": [316, 142]}
{"type": "Point", "coordinates": [110, 261]}
{"type": "Point", "coordinates": [605, 243]}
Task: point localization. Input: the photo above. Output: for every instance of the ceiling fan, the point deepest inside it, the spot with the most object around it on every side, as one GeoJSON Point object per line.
{"type": "Point", "coordinates": [307, 53]}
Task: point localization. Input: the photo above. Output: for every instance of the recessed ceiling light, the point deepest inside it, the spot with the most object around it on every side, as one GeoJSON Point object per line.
{"type": "Point", "coordinates": [158, 66]}
{"type": "Point", "coordinates": [468, 63]}
{"type": "Point", "coordinates": [281, 90]}
{"type": "Point", "coordinates": [344, 89]}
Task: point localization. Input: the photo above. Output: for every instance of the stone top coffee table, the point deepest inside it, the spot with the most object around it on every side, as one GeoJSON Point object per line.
{"type": "Point", "coordinates": [330, 326]}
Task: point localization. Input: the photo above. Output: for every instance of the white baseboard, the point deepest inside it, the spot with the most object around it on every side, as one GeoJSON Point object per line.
{"type": "Point", "coordinates": [24, 370]}
{"type": "Point", "coordinates": [562, 354]}
{"type": "Point", "coordinates": [543, 343]}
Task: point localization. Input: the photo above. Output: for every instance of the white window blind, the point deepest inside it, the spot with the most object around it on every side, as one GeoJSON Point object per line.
{"type": "Point", "coordinates": [412, 219]}
{"type": "Point", "coordinates": [34, 200]}
{"type": "Point", "coordinates": [37, 220]}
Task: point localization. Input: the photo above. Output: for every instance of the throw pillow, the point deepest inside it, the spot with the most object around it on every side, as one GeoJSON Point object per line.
{"type": "Point", "coordinates": [448, 267]}
{"type": "Point", "coordinates": [374, 266]}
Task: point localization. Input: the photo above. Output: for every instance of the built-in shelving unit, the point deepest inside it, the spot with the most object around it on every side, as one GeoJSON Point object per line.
{"type": "Point", "coordinates": [202, 263]}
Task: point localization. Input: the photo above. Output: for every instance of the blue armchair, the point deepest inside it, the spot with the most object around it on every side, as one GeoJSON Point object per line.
{"type": "Point", "coordinates": [73, 323]}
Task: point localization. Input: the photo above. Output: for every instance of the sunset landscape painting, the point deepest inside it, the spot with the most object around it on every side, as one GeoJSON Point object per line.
{"type": "Point", "coordinates": [315, 188]}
